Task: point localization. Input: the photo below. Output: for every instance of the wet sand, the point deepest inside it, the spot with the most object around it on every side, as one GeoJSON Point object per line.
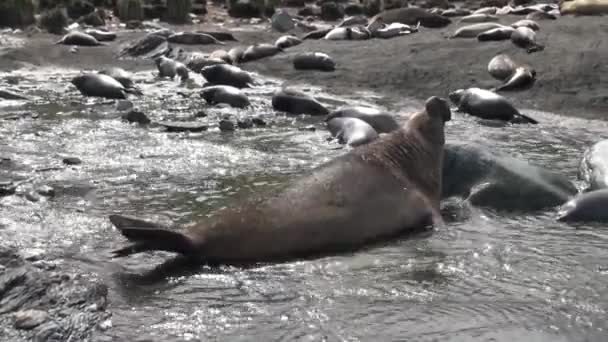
{"type": "Point", "coordinates": [572, 72]}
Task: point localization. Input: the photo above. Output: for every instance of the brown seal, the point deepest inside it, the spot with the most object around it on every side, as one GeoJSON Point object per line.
{"type": "Point", "coordinates": [373, 193]}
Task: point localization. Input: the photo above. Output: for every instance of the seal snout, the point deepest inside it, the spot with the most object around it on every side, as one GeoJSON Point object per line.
{"type": "Point", "coordinates": [438, 107]}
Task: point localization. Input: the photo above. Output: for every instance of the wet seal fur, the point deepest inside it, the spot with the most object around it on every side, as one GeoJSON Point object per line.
{"type": "Point", "coordinates": [100, 85]}
{"type": "Point", "coordinates": [225, 94]}
{"type": "Point", "coordinates": [225, 74]}
{"type": "Point", "coordinates": [593, 169]}
{"type": "Point", "coordinates": [79, 39]}
{"type": "Point", "coordinates": [314, 61]}
{"type": "Point", "coordinates": [296, 102]}
{"type": "Point", "coordinates": [586, 207]}
{"type": "Point", "coordinates": [351, 131]}
{"type": "Point", "coordinates": [486, 104]}
{"type": "Point", "coordinates": [382, 122]}
{"type": "Point", "coordinates": [371, 194]}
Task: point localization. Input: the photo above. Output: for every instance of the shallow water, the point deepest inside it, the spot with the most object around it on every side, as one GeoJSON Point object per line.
{"type": "Point", "coordinates": [489, 276]}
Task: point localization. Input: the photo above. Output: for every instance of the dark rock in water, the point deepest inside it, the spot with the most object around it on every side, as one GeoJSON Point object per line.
{"type": "Point", "coordinates": [7, 188]}
{"type": "Point", "coordinates": [54, 20]}
{"type": "Point", "coordinates": [245, 123]}
{"type": "Point", "coordinates": [309, 11]}
{"type": "Point", "coordinates": [226, 125]}
{"type": "Point", "coordinates": [331, 11]}
{"type": "Point", "coordinates": [46, 191]}
{"type": "Point", "coordinates": [93, 19]}
{"type": "Point", "coordinates": [9, 95]}
{"type": "Point", "coordinates": [78, 8]}
{"type": "Point", "coordinates": [181, 126]}
{"type": "Point", "coordinates": [353, 9]}
{"type": "Point", "coordinates": [68, 305]}
{"type": "Point", "coordinates": [258, 121]}
{"type": "Point", "coordinates": [309, 128]}
{"type": "Point", "coordinates": [136, 116]}
{"type": "Point", "coordinates": [29, 319]}
{"type": "Point", "coordinates": [72, 161]}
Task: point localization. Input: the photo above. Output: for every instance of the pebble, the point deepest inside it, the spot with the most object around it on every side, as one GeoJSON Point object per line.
{"type": "Point", "coordinates": [46, 191]}
{"type": "Point", "coordinates": [245, 123]}
{"type": "Point", "coordinates": [72, 161]}
{"type": "Point", "coordinates": [32, 196]}
{"type": "Point", "coordinates": [258, 121]}
{"type": "Point", "coordinates": [30, 319]}
{"type": "Point", "coordinates": [226, 125]}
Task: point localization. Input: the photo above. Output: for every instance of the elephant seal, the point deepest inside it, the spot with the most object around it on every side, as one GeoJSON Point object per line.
{"type": "Point", "coordinates": [522, 78]}
{"type": "Point", "coordinates": [501, 67]}
{"type": "Point", "coordinates": [455, 12]}
{"type": "Point", "coordinates": [353, 21]}
{"type": "Point", "coordinates": [586, 207]}
{"type": "Point", "coordinates": [296, 102]}
{"type": "Point", "coordinates": [170, 68]}
{"type": "Point", "coordinates": [540, 15]}
{"type": "Point", "coordinates": [101, 36]}
{"type": "Point", "coordinates": [583, 7]}
{"type": "Point", "coordinates": [150, 46]}
{"type": "Point", "coordinates": [500, 33]}
{"type": "Point", "coordinates": [121, 75]}
{"type": "Point", "coordinates": [524, 37]}
{"type": "Point", "coordinates": [381, 122]}
{"type": "Point", "coordinates": [100, 85]}
{"type": "Point", "coordinates": [197, 64]}
{"type": "Point", "coordinates": [259, 51]}
{"type": "Point", "coordinates": [225, 74]}
{"type": "Point", "coordinates": [473, 30]}
{"type": "Point", "coordinates": [531, 24]}
{"type": "Point", "coordinates": [351, 131]}
{"type": "Point", "coordinates": [225, 94]}
{"type": "Point", "coordinates": [314, 61]}
{"type": "Point", "coordinates": [488, 178]}
{"type": "Point", "coordinates": [479, 18]}
{"type": "Point", "coordinates": [236, 54]}
{"type": "Point", "coordinates": [487, 10]}
{"type": "Point", "coordinates": [370, 194]}
{"type": "Point", "coordinates": [220, 54]}
{"type": "Point", "coordinates": [288, 41]}
{"type": "Point", "coordinates": [393, 30]}
{"type": "Point", "coordinates": [317, 34]}
{"type": "Point", "coordinates": [79, 38]}
{"type": "Point", "coordinates": [223, 36]}
{"type": "Point", "coordinates": [347, 33]}
{"type": "Point", "coordinates": [593, 169]}
{"type": "Point", "coordinates": [487, 105]}
{"type": "Point", "coordinates": [412, 16]}
{"type": "Point", "coordinates": [193, 38]}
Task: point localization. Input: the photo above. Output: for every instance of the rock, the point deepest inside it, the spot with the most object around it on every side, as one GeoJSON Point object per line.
{"type": "Point", "coordinates": [7, 188]}
{"type": "Point", "coordinates": [245, 123]}
{"type": "Point", "coordinates": [29, 319]}
{"type": "Point", "coordinates": [443, 4]}
{"type": "Point", "coordinates": [32, 196]}
{"type": "Point", "coordinates": [136, 116]}
{"type": "Point", "coordinates": [181, 126]}
{"type": "Point", "coordinates": [226, 125]}
{"type": "Point", "coordinates": [309, 11]}
{"type": "Point", "coordinates": [178, 11]}
{"type": "Point", "coordinates": [244, 9]}
{"type": "Point", "coordinates": [128, 10]}
{"type": "Point", "coordinates": [331, 11]}
{"type": "Point", "coordinates": [134, 25]}
{"type": "Point", "coordinates": [294, 3]}
{"type": "Point", "coordinates": [123, 105]}
{"type": "Point", "coordinates": [258, 121]}
{"type": "Point", "coordinates": [72, 161]}
{"type": "Point", "coordinates": [46, 191]}
{"type": "Point", "coordinates": [17, 13]}
{"type": "Point", "coordinates": [281, 21]}
{"type": "Point", "coordinates": [353, 9]}
{"type": "Point", "coordinates": [93, 19]}
{"type": "Point", "coordinates": [79, 8]}
{"type": "Point", "coordinates": [54, 20]}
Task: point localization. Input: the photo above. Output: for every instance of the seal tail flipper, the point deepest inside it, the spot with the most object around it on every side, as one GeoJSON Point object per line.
{"type": "Point", "coordinates": [149, 236]}
{"type": "Point", "coordinates": [522, 118]}
{"type": "Point", "coordinates": [535, 48]}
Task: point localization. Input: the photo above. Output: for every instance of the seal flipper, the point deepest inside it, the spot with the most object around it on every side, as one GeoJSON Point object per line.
{"type": "Point", "coordinates": [149, 236]}
{"type": "Point", "coordinates": [521, 118]}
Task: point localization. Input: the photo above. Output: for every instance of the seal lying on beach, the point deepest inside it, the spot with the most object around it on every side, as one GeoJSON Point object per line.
{"type": "Point", "coordinates": [584, 7]}
{"type": "Point", "coordinates": [225, 94]}
{"type": "Point", "coordinates": [412, 16]}
{"type": "Point", "coordinates": [593, 169]}
{"type": "Point", "coordinates": [488, 105]}
{"type": "Point", "coordinates": [79, 38]}
{"type": "Point", "coordinates": [314, 61]}
{"type": "Point", "coordinates": [373, 193]}
{"type": "Point", "coordinates": [351, 131]}
{"type": "Point", "coordinates": [100, 85]}
{"type": "Point", "coordinates": [296, 102]}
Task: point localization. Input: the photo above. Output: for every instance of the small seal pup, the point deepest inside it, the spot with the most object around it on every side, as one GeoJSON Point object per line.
{"type": "Point", "coordinates": [593, 169]}
{"type": "Point", "coordinates": [486, 104]}
{"type": "Point", "coordinates": [586, 207]}
{"type": "Point", "coordinates": [373, 193]}
{"type": "Point", "coordinates": [382, 122]}
{"type": "Point", "coordinates": [287, 41]}
{"type": "Point", "coordinates": [170, 68]}
{"type": "Point", "coordinates": [296, 102]}
{"type": "Point", "coordinates": [351, 131]}
{"type": "Point", "coordinates": [499, 33]}
{"type": "Point", "coordinates": [225, 94]}
{"type": "Point", "coordinates": [100, 85]}
{"type": "Point", "coordinates": [524, 37]}
{"type": "Point", "coordinates": [473, 30]}
{"type": "Point", "coordinates": [478, 18]}
{"type": "Point", "coordinates": [79, 38]}
{"type": "Point", "coordinates": [226, 74]}
{"type": "Point", "coordinates": [314, 61]}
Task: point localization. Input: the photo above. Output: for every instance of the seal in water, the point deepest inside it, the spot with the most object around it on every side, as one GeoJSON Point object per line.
{"type": "Point", "coordinates": [287, 41]}
{"type": "Point", "coordinates": [583, 7]}
{"type": "Point", "coordinates": [101, 36]}
{"type": "Point", "coordinates": [225, 74]}
{"type": "Point", "coordinates": [586, 207]}
{"type": "Point", "coordinates": [525, 38]}
{"type": "Point", "coordinates": [168, 67]}
{"type": "Point", "coordinates": [372, 193]}
{"type": "Point", "coordinates": [351, 131]}
{"type": "Point", "coordinates": [382, 122]}
{"type": "Point", "coordinates": [593, 169]}
{"type": "Point", "coordinates": [225, 94]}
{"type": "Point", "coordinates": [296, 102]}
{"type": "Point", "coordinates": [100, 85]}
{"type": "Point", "coordinates": [121, 75]}
{"type": "Point", "coordinates": [317, 34]}
{"type": "Point", "coordinates": [79, 38]}
{"type": "Point", "coordinates": [478, 18]}
{"type": "Point", "coordinates": [472, 31]}
{"type": "Point", "coordinates": [193, 38]}
{"type": "Point", "coordinates": [412, 16]}
{"type": "Point", "coordinates": [259, 51]}
{"type": "Point", "coordinates": [499, 33]}
{"type": "Point", "coordinates": [487, 105]}
{"type": "Point", "coordinates": [314, 61]}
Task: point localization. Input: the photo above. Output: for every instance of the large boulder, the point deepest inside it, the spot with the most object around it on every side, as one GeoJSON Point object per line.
{"type": "Point", "coordinates": [79, 8]}
{"type": "Point", "coordinates": [17, 13]}
{"type": "Point", "coordinates": [178, 11]}
{"type": "Point", "coordinates": [250, 8]}
{"type": "Point", "coordinates": [281, 21]}
{"type": "Point", "coordinates": [128, 10]}
{"type": "Point", "coordinates": [54, 20]}
{"type": "Point", "coordinates": [331, 11]}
